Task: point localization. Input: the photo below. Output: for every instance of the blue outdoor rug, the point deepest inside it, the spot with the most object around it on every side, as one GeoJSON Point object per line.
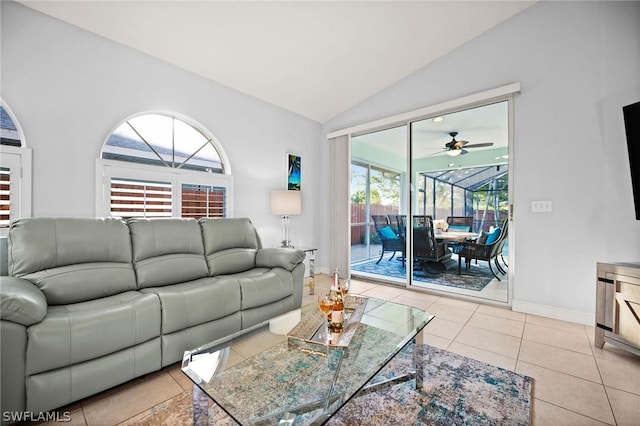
{"type": "Point", "coordinates": [475, 278]}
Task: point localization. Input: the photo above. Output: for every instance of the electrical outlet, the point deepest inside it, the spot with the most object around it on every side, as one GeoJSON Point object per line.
{"type": "Point", "coordinates": [542, 206]}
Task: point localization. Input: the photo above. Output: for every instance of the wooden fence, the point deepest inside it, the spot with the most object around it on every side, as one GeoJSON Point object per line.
{"type": "Point", "coordinates": [359, 220]}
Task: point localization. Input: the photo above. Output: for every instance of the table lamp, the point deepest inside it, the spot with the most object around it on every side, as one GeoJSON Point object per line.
{"type": "Point", "coordinates": [286, 203]}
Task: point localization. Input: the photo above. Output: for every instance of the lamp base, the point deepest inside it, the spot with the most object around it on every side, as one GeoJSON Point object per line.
{"type": "Point", "coordinates": [286, 244]}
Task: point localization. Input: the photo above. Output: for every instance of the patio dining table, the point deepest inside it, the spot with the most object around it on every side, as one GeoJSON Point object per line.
{"type": "Point", "coordinates": [456, 238]}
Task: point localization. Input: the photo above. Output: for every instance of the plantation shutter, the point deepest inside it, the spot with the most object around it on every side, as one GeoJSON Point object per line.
{"type": "Point", "coordinates": [5, 197]}
{"type": "Point", "coordinates": [203, 201]}
{"type": "Point", "coordinates": [138, 198]}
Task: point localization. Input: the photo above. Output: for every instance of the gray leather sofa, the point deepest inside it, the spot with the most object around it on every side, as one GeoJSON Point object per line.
{"type": "Point", "coordinates": [91, 303]}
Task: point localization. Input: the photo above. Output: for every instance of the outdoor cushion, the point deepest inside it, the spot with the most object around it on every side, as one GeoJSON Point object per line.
{"type": "Point", "coordinates": [387, 233]}
{"type": "Point", "coordinates": [460, 228]}
{"type": "Point", "coordinates": [482, 237]}
{"type": "Point", "coordinates": [493, 236]}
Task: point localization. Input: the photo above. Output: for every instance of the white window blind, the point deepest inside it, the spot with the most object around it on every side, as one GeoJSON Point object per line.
{"type": "Point", "coordinates": [5, 197]}
{"type": "Point", "coordinates": [138, 198]}
{"type": "Point", "coordinates": [203, 201]}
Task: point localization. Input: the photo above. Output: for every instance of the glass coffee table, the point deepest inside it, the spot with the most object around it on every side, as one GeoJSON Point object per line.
{"type": "Point", "coordinates": [303, 381]}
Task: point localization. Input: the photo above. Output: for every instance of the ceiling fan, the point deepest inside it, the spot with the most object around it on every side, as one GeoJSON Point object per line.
{"type": "Point", "coordinates": [455, 147]}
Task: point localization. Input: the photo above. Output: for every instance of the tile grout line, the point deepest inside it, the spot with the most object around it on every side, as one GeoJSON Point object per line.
{"type": "Point", "coordinates": [575, 412]}
{"type": "Point", "coordinates": [604, 387]}
{"type": "Point", "coordinates": [462, 328]}
{"type": "Point", "coordinates": [520, 344]}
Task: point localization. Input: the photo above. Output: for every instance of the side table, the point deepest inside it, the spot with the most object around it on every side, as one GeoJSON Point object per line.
{"type": "Point", "coordinates": [312, 266]}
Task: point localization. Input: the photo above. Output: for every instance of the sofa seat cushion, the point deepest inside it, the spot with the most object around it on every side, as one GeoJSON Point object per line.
{"type": "Point", "coordinates": [79, 332]}
{"type": "Point", "coordinates": [196, 302]}
{"type": "Point", "coordinates": [263, 286]}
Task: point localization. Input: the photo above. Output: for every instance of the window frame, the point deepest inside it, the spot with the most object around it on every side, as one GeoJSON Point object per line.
{"type": "Point", "coordinates": [21, 192]}
{"type": "Point", "coordinates": [107, 169]}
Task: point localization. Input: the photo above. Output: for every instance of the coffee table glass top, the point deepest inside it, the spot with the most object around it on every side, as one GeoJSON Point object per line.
{"type": "Point", "coordinates": [305, 383]}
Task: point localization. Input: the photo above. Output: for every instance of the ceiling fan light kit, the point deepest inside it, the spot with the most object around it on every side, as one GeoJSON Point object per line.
{"type": "Point", "coordinates": [455, 147]}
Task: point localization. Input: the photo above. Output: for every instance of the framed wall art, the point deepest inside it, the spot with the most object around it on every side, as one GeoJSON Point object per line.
{"type": "Point", "coordinates": [294, 164]}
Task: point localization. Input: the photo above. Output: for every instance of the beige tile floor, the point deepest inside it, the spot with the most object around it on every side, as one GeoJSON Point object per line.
{"type": "Point", "coordinates": [575, 383]}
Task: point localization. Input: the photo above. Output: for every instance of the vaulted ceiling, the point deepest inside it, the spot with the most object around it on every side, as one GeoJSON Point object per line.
{"type": "Point", "coordinates": [314, 58]}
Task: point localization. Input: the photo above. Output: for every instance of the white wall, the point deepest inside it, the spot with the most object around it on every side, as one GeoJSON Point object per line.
{"type": "Point", "coordinates": [578, 64]}
{"type": "Point", "coordinates": [68, 88]}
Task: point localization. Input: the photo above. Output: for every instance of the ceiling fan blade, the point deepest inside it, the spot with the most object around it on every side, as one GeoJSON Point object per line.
{"type": "Point", "coordinates": [479, 145]}
{"type": "Point", "coordinates": [460, 144]}
{"type": "Point", "coordinates": [447, 151]}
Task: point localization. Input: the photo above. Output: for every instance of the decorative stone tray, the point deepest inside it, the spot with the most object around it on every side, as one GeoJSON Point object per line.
{"type": "Point", "coordinates": [312, 328]}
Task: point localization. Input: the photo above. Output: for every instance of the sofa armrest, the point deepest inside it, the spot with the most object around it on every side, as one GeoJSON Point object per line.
{"type": "Point", "coordinates": [21, 301]}
{"type": "Point", "coordinates": [279, 258]}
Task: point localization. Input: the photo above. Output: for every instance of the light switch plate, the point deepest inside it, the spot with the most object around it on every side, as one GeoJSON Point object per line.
{"type": "Point", "coordinates": [541, 206]}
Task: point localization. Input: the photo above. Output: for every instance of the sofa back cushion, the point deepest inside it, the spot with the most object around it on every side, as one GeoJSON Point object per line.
{"type": "Point", "coordinates": [230, 245]}
{"type": "Point", "coordinates": [167, 251]}
{"type": "Point", "coordinates": [72, 259]}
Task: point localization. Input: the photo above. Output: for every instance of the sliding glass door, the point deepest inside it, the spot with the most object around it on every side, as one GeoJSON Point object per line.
{"type": "Point", "coordinates": [459, 166]}
{"type": "Point", "coordinates": [429, 173]}
{"type": "Point", "coordinates": [378, 196]}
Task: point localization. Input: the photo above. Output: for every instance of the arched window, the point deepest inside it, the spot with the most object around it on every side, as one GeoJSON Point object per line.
{"type": "Point", "coordinates": [15, 171]}
{"type": "Point", "coordinates": [158, 164]}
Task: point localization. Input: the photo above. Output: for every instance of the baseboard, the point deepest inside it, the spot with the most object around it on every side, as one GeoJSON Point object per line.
{"type": "Point", "coordinates": [579, 317]}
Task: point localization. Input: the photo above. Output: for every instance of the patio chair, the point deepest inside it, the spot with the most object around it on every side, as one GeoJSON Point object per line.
{"type": "Point", "coordinates": [499, 255]}
{"type": "Point", "coordinates": [422, 220]}
{"type": "Point", "coordinates": [488, 252]}
{"type": "Point", "coordinates": [390, 240]}
{"type": "Point", "coordinates": [401, 220]}
{"type": "Point", "coordinates": [427, 251]}
{"type": "Point", "coordinates": [460, 223]}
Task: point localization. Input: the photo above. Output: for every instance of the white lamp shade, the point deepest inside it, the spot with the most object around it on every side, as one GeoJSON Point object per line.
{"type": "Point", "coordinates": [286, 202]}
